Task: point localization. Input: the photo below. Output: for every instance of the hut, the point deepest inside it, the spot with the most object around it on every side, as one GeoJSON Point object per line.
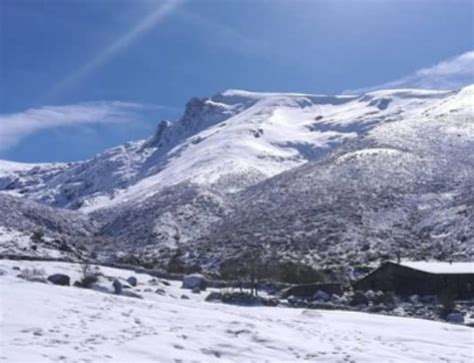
{"type": "Point", "coordinates": [422, 278]}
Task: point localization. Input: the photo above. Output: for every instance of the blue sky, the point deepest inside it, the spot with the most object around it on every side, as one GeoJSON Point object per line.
{"type": "Point", "coordinates": [79, 76]}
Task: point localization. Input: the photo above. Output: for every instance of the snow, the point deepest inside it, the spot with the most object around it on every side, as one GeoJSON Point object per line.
{"type": "Point", "coordinates": [393, 162]}
{"type": "Point", "coordinates": [249, 136]}
{"type": "Point", "coordinates": [437, 267]}
{"type": "Point", "coordinates": [240, 135]}
{"type": "Point", "coordinates": [46, 323]}
{"type": "Point", "coordinates": [364, 153]}
{"type": "Point", "coordinates": [18, 243]}
{"type": "Point", "coordinates": [264, 134]}
{"type": "Point", "coordinates": [9, 166]}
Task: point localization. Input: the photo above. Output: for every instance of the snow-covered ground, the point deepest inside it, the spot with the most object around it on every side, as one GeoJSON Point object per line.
{"type": "Point", "coordinates": [45, 323]}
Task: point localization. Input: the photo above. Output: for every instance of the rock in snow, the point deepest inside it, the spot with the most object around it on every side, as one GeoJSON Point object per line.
{"type": "Point", "coordinates": [132, 280]}
{"type": "Point", "coordinates": [194, 282]}
{"type": "Point", "coordinates": [118, 287]}
{"type": "Point", "coordinates": [59, 279]}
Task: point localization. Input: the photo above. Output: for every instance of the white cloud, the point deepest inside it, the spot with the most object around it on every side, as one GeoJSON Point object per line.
{"type": "Point", "coordinates": [165, 8]}
{"type": "Point", "coordinates": [449, 74]}
{"type": "Point", "coordinates": [16, 126]}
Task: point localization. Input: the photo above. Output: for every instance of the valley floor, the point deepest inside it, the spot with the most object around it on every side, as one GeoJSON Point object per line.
{"type": "Point", "coordinates": [47, 323]}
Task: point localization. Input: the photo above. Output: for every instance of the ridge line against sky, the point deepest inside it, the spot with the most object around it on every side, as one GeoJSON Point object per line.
{"type": "Point", "coordinates": [68, 55]}
{"type": "Point", "coordinates": [457, 71]}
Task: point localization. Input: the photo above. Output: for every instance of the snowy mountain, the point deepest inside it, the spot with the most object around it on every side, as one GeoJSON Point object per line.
{"type": "Point", "coordinates": [233, 139]}
{"type": "Point", "coordinates": [329, 179]}
{"type": "Point", "coordinates": [403, 188]}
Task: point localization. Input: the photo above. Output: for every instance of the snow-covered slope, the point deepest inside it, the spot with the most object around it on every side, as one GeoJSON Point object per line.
{"type": "Point", "coordinates": [233, 139]}
{"type": "Point", "coordinates": [30, 229]}
{"type": "Point", "coordinates": [315, 175]}
{"type": "Point", "coordinates": [55, 323]}
{"type": "Point", "coordinates": [405, 187]}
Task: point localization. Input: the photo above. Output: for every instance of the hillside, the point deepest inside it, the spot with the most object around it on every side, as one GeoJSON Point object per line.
{"type": "Point", "coordinates": [327, 180]}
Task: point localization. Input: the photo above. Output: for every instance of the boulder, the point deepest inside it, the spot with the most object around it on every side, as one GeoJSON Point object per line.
{"type": "Point", "coordinates": [160, 292]}
{"type": "Point", "coordinates": [456, 318]}
{"type": "Point", "coordinates": [194, 281]}
{"type": "Point", "coordinates": [185, 297]}
{"type": "Point", "coordinates": [118, 287]}
{"type": "Point", "coordinates": [196, 290]}
{"type": "Point", "coordinates": [132, 280]}
{"type": "Point", "coordinates": [59, 279]}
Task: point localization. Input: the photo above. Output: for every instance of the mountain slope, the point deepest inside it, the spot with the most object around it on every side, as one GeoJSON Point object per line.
{"type": "Point", "coordinates": [30, 229]}
{"type": "Point", "coordinates": [404, 188]}
{"type": "Point", "coordinates": [231, 140]}
{"type": "Point", "coordinates": [327, 180]}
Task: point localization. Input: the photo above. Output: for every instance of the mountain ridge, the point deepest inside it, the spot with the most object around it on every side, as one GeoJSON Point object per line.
{"type": "Point", "coordinates": [316, 173]}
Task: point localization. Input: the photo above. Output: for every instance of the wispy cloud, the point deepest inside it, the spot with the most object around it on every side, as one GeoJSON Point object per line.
{"type": "Point", "coordinates": [452, 73]}
{"type": "Point", "coordinates": [164, 8]}
{"type": "Point", "coordinates": [16, 126]}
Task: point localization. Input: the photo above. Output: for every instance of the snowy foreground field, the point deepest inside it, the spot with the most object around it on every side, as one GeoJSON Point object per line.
{"type": "Point", "coordinates": [47, 323]}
